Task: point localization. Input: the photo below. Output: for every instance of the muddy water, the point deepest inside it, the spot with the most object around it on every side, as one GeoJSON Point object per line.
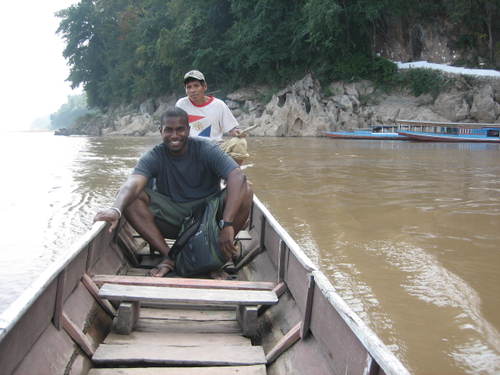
{"type": "Point", "coordinates": [408, 233]}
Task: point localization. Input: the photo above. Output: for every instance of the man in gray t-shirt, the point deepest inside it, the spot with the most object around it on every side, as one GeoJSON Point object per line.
{"type": "Point", "coordinates": [188, 173]}
{"type": "Point", "coordinates": [194, 175]}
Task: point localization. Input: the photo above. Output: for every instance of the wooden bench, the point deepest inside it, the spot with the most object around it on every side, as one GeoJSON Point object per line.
{"type": "Point", "coordinates": [180, 282]}
{"type": "Point", "coordinates": [200, 292]}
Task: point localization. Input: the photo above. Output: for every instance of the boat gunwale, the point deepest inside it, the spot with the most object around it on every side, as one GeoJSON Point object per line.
{"type": "Point", "coordinates": [375, 347]}
{"type": "Point", "coordinates": [287, 239]}
{"type": "Point", "coordinates": [14, 312]}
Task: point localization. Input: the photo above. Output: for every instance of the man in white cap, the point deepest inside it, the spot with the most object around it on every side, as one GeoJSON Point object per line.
{"type": "Point", "coordinates": [208, 116]}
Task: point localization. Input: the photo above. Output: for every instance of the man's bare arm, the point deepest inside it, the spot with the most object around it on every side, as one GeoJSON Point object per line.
{"type": "Point", "coordinates": [236, 188]}
{"type": "Point", "coordinates": [128, 192]}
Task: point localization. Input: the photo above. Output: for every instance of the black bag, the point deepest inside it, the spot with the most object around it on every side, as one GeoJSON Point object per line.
{"type": "Point", "coordinates": [196, 250]}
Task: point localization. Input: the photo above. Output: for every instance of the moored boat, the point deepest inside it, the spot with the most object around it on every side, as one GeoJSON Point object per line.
{"type": "Point", "coordinates": [61, 324]}
{"type": "Point", "coordinates": [488, 135]}
{"type": "Point", "coordinates": [365, 134]}
{"type": "Point", "coordinates": [431, 131]}
{"type": "Point", "coordinates": [381, 132]}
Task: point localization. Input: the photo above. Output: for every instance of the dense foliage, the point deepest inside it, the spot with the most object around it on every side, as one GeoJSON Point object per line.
{"type": "Point", "coordinates": [129, 50]}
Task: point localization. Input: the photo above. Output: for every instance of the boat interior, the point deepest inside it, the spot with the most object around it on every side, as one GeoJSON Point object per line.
{"type": "Point", "coordinates": [97, 312]}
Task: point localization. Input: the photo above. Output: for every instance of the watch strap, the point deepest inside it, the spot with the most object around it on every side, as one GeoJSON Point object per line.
{"type": "Point", "coordinates": [227, 224]}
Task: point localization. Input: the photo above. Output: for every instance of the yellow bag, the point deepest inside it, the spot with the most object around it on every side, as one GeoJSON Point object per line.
{"type": "Point", "coordinates": [236, 148]}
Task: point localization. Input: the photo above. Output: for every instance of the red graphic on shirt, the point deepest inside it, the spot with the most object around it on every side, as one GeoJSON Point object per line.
{"type": "Point", "coordinates": [193, 118]}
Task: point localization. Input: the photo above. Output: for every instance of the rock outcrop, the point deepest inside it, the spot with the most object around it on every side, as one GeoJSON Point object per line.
{"type": "Point", "coordinates": [305, 108]}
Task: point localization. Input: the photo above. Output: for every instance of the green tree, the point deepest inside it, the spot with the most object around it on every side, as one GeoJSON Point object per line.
{"type": "Point", "coordinates": [479, 17]}
{"type": "Point", "coordinates": [124, 51]}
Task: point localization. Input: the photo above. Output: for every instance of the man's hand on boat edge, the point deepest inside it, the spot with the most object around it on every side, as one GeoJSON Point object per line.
{"type": "Point", "coordinates": [110, 215]}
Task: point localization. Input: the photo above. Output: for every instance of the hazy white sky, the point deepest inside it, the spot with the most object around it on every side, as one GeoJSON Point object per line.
{"type": "Point", "coordinates": [32, 68]}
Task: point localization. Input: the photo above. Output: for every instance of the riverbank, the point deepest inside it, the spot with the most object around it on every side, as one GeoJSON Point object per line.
{"type": "Point", "coordinates": [308, 108]}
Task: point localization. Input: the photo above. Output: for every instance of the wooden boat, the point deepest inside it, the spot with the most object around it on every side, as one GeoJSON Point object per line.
{"type": "Point", "coordinates": [61, 324]}
{"type": "Point", "coordinates": [432, 131]}
{"type": "Point", "coordinates": [487, 135]}
{"type": "Point", "coordinates": [381, 132]}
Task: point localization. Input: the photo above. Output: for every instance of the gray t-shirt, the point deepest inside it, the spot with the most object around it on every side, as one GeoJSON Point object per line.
{"type": "Point", "coordinates": [188, 177]}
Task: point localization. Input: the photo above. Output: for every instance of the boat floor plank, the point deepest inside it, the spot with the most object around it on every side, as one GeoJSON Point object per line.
{"type": "Point", "coordinates": [188, 315]}
{"type": "Point", "coordinates": [111, 354]}
{"type": "Point", "coordinates": [158, 325]}
{"type": "Point", "coordinates": [178, 339]}
{"type": "Point", "coordinates": [225, 370]}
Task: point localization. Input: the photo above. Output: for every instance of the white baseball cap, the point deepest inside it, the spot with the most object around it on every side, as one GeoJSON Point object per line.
{"type": "Point", "coordinates": [196, 74]}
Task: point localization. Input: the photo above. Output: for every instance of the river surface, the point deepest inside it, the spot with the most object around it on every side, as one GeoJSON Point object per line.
{"type": "Point", "coordinates": [408, 233]}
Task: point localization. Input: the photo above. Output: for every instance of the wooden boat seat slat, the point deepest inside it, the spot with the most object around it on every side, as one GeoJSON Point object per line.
{"type": "Point", "coordinates": [131, 296]}
{"type": "Point", "coordinates": [224, 370]}
{"type": "Point", "coordinates": [178, 339]}
{"type": "Point", "coordinates": [119, 292]}
{"type": "Point", "coordinates": [122, 355]}
{"type": "Point", "coordinates": [183, 282]}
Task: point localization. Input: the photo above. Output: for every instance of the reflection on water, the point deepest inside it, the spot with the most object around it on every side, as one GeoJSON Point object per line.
{"type": "Point", "coordinates": [407, 232]}
{"type": "Point", "coordinates": [52, 187]}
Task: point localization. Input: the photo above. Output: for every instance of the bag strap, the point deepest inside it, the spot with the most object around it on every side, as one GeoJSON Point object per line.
{"type": "Point", "coordinates": [189, 227]}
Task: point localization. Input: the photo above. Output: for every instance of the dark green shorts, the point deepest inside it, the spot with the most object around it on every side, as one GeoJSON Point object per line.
{"type": "Point", "coordinates": [169, 214]}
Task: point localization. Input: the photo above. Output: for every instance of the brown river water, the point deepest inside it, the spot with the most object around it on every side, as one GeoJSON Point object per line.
{"type": "Point", "coordinates": [408, 233]}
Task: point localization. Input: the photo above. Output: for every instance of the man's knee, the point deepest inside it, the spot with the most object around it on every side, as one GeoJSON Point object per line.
{"type": "Point", "coordinates": [137, 205]}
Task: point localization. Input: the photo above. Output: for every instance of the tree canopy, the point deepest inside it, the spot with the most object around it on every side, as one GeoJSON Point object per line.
{"type": "Point", "coordinates": [128, 50]}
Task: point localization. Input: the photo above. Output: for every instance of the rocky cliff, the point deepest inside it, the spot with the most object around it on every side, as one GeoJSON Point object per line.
{"type": "Point", "coordinates": [304, 108]}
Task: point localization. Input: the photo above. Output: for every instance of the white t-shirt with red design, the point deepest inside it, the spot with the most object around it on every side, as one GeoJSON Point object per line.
{"type": "Point", "coordinates": [211, 119]}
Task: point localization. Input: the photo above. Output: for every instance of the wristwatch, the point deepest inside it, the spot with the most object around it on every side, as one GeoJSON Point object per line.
{"type": "Point", "coordinates": [224, 224]}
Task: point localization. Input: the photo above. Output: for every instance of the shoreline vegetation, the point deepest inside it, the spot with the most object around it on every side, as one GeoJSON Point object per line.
{"type": "Point", "coordinates": [333, 58]}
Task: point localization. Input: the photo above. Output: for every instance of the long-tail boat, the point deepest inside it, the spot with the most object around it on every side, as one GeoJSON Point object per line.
{"type": "Point", "coordinates": [433, 131]}
{"type": "Point", "coordinates": [379, 132]}
{"type": "Point", "coordinates": [95, 312]}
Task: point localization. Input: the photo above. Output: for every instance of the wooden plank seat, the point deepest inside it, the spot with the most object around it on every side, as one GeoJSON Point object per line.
{"type": "Point", "coordinates": [131, 296]}
{"type": "Point", "coordinates": [177, 338]}
{"type": "Point", "coordinates": [170, 355]}
{"type": "Point", "coordinates": [180, 282]}
{"type": "Point", "coordinates": [226, 370]}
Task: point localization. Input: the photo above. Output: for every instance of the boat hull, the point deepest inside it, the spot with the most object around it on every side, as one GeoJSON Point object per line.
{"type": "Point", "coordinates": [34, 337]}
{"type": "Point", "coordinates": [366, 135]}
{"type": "Point", "coordinates": [434, 137]}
